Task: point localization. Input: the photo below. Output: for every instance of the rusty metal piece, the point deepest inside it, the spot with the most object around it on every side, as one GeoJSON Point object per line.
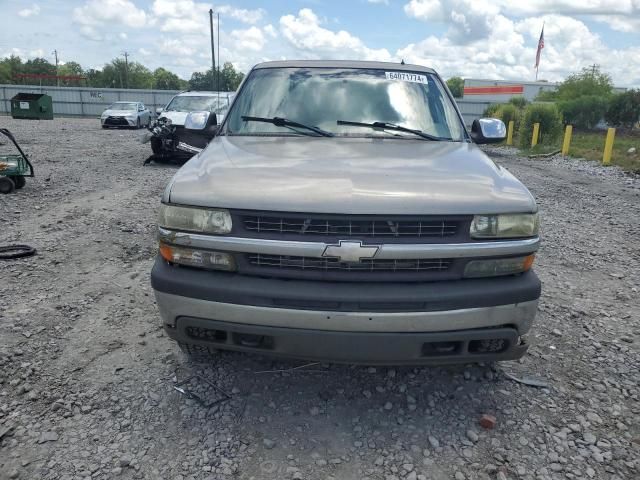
{"type": "Point", "coordinates": [179, 387]}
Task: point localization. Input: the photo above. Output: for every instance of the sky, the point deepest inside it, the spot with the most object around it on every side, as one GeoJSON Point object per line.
{"type": "Point", "coordinates": [488, 39]}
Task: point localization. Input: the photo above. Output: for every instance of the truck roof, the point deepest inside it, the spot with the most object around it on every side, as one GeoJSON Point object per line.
{"type": "Point", "coordinates": [344, 64]}
{"type": "Point", "coordinates": [201, 93]}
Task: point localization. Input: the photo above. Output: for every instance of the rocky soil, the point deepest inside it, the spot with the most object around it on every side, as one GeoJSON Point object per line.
{"type": "Point", "coordinates": [87, 375]}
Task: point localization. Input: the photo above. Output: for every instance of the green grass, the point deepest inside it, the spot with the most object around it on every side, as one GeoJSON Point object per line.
{"type": "Point", "coordinates": [590, 145]}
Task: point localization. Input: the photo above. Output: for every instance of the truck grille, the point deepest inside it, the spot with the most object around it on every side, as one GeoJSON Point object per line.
{"type": "Point", "coordinates": [333, 264]}
{"type": "Point", "coordinates": [344, 226]}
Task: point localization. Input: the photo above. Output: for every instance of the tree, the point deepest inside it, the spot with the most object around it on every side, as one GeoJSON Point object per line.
{"type": "Point", "coordinates": [166, 80]}
{"type": "Point", "coordinates": [229, 79]}
{"type": "Point", "coordinates": [9, 67]}
{"type": "Point", "coordinates": [583, 112]}
{"type": "Point", "coordinates": [118, 75]}
{"type": "Point", "coordinates": [624, 109]}
{"type": "Point", "coordinates": [70, 69]}
{"type": "Point", "coordinates": [456, 85]}
{"type": "Point", "coordinates": [590, 81]}
{"type": "Point", "coordinates": [95, 78]}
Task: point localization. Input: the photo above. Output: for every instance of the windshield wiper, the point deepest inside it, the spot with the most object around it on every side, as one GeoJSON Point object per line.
{"type": "Point", "coordinates": [393, 126]}
{"type": "Point", "coordinates": [283, 122]}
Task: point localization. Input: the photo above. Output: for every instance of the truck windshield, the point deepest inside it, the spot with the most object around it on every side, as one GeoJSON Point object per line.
{"type": "Point", "coordinates": [320, 97]}
{"type": "Point", "coordinates": [192, 103]}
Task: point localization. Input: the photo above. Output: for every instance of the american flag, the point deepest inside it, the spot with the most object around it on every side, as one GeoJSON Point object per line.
{"type": "Point", "coordinates": [540, 47]}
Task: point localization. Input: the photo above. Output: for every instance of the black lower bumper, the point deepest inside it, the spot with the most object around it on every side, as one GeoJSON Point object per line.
{"type": "Point", "coordinates": [343, 296]}
{"type": "Point", "coordinates": [439, 348]}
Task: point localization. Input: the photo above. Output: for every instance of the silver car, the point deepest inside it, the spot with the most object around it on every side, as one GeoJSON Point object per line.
{"type": "Point", "coordinates": [126, 114]}
{"type": "Point", "coordinates": [344, 213]}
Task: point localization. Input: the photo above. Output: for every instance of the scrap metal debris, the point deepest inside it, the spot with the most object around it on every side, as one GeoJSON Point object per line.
{"type": "Point", "coordinates": [526, 380]}
{"type": "Point", "coordinates": [299, 367]}
{"type": "Point", "coordinates": [10, 252]}
{"type": "Point", "coordinates": [198, 397]}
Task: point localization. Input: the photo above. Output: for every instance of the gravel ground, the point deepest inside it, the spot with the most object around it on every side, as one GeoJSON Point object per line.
{"type": "Point", "coordinates": [86, 374]}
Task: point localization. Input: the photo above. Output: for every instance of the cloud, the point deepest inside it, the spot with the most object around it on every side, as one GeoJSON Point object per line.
{"type": "Point", "coordinates": [100, 12]}
{"type": "Point", "coordinates": [271, 31]}
{"type": "Point", "coordinates": [187, 16]}
{"type": "Point", "coordinates": [87, 31]}
{"type": "Point", "coordinates": [509, 52]}
{"type": "Point", "coordinates": [469, 19]}
{"type": "Point", "coordinates": [308, 38]}
{"type": "Point", "coordinates": [176, 48]}
{"type": "Point", "coordinates": [241, 14]}
{"type": "Point", "coordinates": [249, 39]}
{"type": "Point", "coordinates": [30, 12]}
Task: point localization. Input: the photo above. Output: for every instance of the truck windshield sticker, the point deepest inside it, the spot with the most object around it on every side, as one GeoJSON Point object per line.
{"type": "Point", "coordinates": [406, 77]}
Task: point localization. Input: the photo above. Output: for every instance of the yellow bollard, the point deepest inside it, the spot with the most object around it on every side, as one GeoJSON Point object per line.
{"type": "Point", "coordinates": [534, 137]}
{"type": "Point", "coordinates": [567, 140]}
{"type": "Point", "coordinates": [510, 132]}
{"type": "Point", "coordinates": [608, 146]}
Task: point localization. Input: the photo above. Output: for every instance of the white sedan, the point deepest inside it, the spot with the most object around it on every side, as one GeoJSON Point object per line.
{"type": "Point", "coordinates": [126, 114]}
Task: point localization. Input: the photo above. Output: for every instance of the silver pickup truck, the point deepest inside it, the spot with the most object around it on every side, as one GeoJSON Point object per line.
{"type": "Point", "coordinates": [344, 213]}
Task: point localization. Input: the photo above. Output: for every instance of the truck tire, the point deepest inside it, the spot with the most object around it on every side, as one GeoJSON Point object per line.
{"type": "Point", "coordinates": [6, 185]}
{"type": "Point", "coordinates": [156, 145]}
{"type": "Point", "coordinates": [198, 353]}
{"type": "Point", "coordinates": [20, 181]}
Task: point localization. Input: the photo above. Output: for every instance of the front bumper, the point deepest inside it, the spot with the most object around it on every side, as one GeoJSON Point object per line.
{"type": "Point", "coordinates": [394, 323]}
{"type": "Point", "coordinates": [118, 122]}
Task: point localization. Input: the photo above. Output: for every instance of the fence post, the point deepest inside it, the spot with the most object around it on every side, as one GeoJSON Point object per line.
{"type": "Point", "coordinates": [510, 132]}
{"type": "Point", "coordinates": [534, 137]}
{"type": "Point", "coordinates": [567, 140]}
{"type": "Point", "coordinates": [608, 147]}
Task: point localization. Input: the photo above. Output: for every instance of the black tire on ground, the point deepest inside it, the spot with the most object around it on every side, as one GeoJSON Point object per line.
{"type": "Point", "coordinates": [104, 126]}
{"type": "Point", "coordinates": [138, 124]}
{"type": "Point", "coordinates": [156, 145]}
{"type": "Point", "coordinates": [198, 353]}
{"type": "Point", "coordinates": [19, 181]}
{"type": "Point", "coordinates": [6, 185]}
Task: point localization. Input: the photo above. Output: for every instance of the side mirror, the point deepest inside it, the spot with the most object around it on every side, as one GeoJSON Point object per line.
{"type": "Point", "coordinates": [488, 130]}
{"type": "Point", "coordinates": [158, 110]}
{"type": "Point", "coordinates": [200, 121]}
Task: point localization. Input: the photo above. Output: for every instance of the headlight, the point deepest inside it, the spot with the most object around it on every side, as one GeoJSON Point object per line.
{"type": "Point", "coordinates": [498, 266]}
{"type": "Point", "coordinates": [513, 225]}
{"type": "Point", "coordinates": [197, 258]}
{"type": "Point", "coordinates": [200, 220]}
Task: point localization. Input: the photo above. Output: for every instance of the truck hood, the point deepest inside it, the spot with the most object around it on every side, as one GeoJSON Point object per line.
{"type": "Point", "coordinates": [177, 118]}
{"type": "Point", "coordinates": [348, 175]}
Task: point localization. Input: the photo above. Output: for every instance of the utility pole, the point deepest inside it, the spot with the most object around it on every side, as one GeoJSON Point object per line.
{"type": "Point", "coordinates": [213, 51]}
{"type": "Point", "coordinates": [126, 69]}
{"type": "Point", "coordinates": [55, 52]}
{"type": "Point", "coordinates": [218, 85]}
{"type": "Point", "coordinates": [593, 69]}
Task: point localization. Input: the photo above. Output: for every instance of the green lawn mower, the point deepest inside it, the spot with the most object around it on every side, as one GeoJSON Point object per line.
{"type": "Point", "coordinates": [13, 168]}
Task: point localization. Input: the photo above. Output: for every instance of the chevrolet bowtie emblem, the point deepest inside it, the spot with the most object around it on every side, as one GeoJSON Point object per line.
{"type": "Point", "coordinates": [352, 252]}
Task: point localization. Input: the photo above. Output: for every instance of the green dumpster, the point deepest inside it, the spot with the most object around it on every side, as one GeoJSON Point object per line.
{"type": "Point", "coordinates": [37, 106]}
